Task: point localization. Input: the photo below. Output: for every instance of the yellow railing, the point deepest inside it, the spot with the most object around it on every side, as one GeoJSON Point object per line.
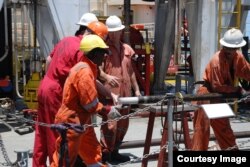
{"type": "Point", "coordinates": [234, 11]}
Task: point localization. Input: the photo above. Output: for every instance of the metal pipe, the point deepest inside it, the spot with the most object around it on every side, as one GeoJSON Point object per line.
{"type": "Point", "coordinates": [35, 52]}
{"type": "Point", "coordinates": [15, 52]}
{"type": "Point", "coordinates": [105, 8]}
{"type": "Point", "coordinates": [177, 33]}
{"type": "Point", "coordinates": [29, 32]}
{"type": "Point", "coordinates": [127, 20]}
{"type": "Point", "coordinates": [170, 133]}
{"type": "Point", "coordinates": [141, 99]}
{"type": "Point", "coordinates": [35, 27]}
{"type": "Point", "coordinates": [188, 97]}
{"type": "Point", "coordinates": [6, 33]}
{"type": "Point", "coordinates": [23, 56]}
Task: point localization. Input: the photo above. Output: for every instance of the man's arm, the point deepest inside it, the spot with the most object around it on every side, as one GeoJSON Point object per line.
{"type": "Point", "coordinates": [106, 92]}
{"type": "Point", "coordinates": [103, 75]}
{"type": "Point", "coordinates": [48, 60]}
{"type": "Point", "coordinates": [135, 85]}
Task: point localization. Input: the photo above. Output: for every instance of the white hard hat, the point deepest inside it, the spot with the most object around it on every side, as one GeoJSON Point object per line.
{"type": "Point", "coordinates": [233, 38]}
{"type": "Point", "coordinates": [86, 19]}
{"type": "Point", "coordinates": [114, 24]}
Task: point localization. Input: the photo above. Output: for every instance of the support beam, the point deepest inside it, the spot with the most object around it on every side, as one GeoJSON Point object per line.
{"type": "Point", "coordinates": [202, 18]}
{"type": "Point", "coordinates": [164, 42]}
{"type": "Point", "coordinates": [157, 142]}
{"type": "Point", "coordinates": [127, 20]}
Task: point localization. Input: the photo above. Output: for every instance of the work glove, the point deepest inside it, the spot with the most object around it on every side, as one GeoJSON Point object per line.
{"type": "Point", "coordinates": [240, 91]}
{"type": "Point", "coordinates": [114, 98]}
{"type": "Point", "coordinates": [113, 113]}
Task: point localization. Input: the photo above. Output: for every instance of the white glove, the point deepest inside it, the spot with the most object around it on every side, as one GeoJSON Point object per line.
{"type": "Point", "coordinates": [115, 98]}
{"type": "Point", "coordinates": [113, 113]}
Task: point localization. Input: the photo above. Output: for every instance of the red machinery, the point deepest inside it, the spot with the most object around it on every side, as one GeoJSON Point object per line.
{"type": "Point", "coordinates": [143, 61]}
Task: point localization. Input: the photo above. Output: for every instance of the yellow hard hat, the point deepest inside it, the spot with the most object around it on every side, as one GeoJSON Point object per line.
{"type": "Point", "coordinates": [90, 42]}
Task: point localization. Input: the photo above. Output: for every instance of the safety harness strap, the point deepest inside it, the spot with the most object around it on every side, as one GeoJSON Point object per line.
{"type": "Point", "coordinates": [64, 152]}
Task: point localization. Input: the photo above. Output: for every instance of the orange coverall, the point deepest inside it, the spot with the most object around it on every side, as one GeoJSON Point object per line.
{"type": "Point", "coordinates": [117, 64]}
{"type": "Point", "coordinates": [220, 76]}
{"type": "Point", "coordinates": [79, 103]}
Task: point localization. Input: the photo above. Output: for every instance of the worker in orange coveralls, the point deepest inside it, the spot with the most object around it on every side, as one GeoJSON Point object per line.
{"type": "Point", "coordinates": [118, 76]}
{"type": "Point", "coordinates": [63, 57]}
{"type": "Point", "coordinates": [219, 76]}
{"type": "Point", "coordinates": [80, 102]}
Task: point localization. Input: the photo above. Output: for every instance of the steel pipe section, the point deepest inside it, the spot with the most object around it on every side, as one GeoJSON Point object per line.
{"type": "Point", "coordinates": [188, 97]}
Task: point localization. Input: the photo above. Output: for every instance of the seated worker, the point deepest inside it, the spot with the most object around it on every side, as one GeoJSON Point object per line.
{"type": "Point", "coordinates": [223, 68]}
{"type": "Point", "coordinates": [80, 103]}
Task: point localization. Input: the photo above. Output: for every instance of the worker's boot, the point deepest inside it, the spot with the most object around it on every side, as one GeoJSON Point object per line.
{"type": "Point", "coordinates": [115, 156]}
{"type": "Point", "coordinates": [106, 157]}
{"type": "Point", "coordinates": [79, 162]}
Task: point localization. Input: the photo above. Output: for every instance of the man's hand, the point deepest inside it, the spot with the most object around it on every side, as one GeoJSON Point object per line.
{"type": "Point", "coordinates": [137, 93]}
{"type": "Point", "coordinates": [113, 81]}
{"type": "Point", "coordinates": [113, 113]}
{"type": "Point", "coordinates": [114, 98]}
